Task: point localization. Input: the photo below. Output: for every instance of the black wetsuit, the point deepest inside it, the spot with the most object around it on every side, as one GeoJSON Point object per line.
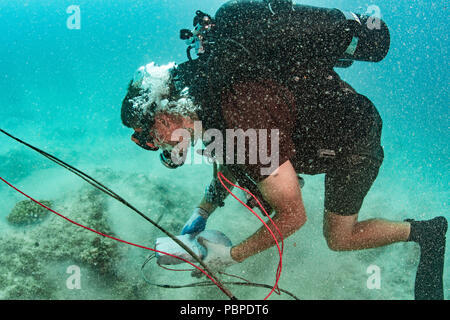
{"type": "Point", "coordinates": [337, 131]}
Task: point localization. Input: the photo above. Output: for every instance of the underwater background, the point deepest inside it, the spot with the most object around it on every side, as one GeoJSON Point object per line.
{"type": "Point", "coordinates": [61, 90]}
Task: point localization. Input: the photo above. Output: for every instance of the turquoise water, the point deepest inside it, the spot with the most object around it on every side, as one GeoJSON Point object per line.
{"type": "Point", "coordinates": [61, 90]}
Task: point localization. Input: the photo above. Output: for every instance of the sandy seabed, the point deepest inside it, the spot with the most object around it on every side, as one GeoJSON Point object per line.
{"type": "Point", "coordinates": [34, 260]}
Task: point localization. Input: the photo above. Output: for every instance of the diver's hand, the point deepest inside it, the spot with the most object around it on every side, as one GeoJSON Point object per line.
{"type": "Point", "coordinates": [218, 256]}
{"type": "Point", "coordinates": [196, 223]}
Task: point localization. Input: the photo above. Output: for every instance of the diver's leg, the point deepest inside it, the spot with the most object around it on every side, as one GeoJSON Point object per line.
{"type": "Point", "coordinates": [344, 193]}
{"type": "Point", "coordinates": [345, 233]}
{"type": "Point", "coordinates": [345, 189]}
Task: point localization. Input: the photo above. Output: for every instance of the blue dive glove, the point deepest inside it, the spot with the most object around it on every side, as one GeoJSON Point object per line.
{"type": "Point", "coordinates": [196, 223]}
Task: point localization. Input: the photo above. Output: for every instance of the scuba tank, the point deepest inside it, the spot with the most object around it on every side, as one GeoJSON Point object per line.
{"type": "Point", "coordinates": [248, 39]}
{"type": "Point", "coordinates": [277, 33]}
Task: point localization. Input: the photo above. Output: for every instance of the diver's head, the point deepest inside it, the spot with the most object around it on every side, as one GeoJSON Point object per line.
{"type": "Point", "coordinates": [156, 105]}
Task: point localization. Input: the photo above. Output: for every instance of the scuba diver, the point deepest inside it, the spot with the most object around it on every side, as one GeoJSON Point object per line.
{"type": "Point", "coordinates": [270, 64]}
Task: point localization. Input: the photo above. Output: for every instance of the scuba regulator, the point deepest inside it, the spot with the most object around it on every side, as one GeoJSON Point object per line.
{"type": "Point", "coordinates": [167, 157]}
{"type": "Point", "coordinates": [200, 38]}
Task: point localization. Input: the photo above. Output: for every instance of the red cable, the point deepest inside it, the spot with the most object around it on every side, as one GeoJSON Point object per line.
{"type": "Point", "coordinates": [220, 175]}
{"type": "Point", "coordinates": [280, 264]}
{"type": "Point", "coordinates": [111, 237]}
{"type": "Point", "coordinates": [278, 274]}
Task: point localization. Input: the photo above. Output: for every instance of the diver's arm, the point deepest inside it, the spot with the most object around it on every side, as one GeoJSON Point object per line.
{"type": "Point", "coordinates": [282, 191]}
{"type": "Point", "coordinates": [207, 206]}
{"type": "Point", "coordinates": [209, 203]}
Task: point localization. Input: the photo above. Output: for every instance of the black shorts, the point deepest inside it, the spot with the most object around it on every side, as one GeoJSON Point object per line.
{"type": "Point", "coordinates": [349, 180]}
{"type": "Point", "coordinates": [347, 186]}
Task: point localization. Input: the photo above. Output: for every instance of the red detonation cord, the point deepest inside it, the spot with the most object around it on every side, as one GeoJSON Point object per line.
{"type": "Point", "coordinates": [111, 237]}
{"type": "Point", "coordinates": [280, 251]}
{"type": "Point", "coordinates": [220, 176]}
